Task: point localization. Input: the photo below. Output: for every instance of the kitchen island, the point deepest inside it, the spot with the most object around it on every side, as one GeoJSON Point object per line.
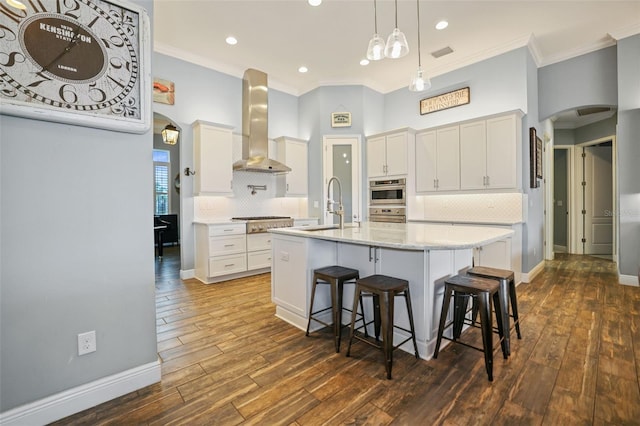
{"type": "Point", "coordinates": [423, 254]}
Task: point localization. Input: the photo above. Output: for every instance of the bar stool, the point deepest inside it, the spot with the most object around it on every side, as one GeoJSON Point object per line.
{"type": "Point", "coordinates": [507, 293]}
{"type": "Point", "coordinates": [384, 289]}
{"type": "Point", "coordinates": [336, 277]}
{"type": "Point", "coordinates": [483, 290]}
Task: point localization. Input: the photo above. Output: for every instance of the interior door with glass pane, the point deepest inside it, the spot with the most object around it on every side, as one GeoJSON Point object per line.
{"type": "Point", "coordinates": [342, 160]}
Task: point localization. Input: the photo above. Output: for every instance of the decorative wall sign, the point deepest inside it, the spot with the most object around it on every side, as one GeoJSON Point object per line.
{"type": "Point", "coordinates": [82, 62]}
{"type": "Point", "coordinates": [163, 91]}
{"type": "Point", "coordinates": [533, 157]}
{"type": "Point", "coordinates": [340, 119]}
{"type": "Point", "coordinates": [445, 101]}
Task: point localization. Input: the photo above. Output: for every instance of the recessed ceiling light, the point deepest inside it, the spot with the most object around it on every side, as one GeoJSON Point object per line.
{"type": "Point", "coordinates": [231, 40]}
{"type": "Point", "coordinates": [303, 69]}
{"type": "Point", "coordinates": [315, 2]}
{"type": "Point", "coordinates": [364, 62]}
{"type": "Point", "coordinates": [442, 25]}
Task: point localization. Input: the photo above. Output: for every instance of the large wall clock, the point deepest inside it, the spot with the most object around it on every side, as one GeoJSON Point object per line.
{"type": "Point", "coordinates": [83, 62]}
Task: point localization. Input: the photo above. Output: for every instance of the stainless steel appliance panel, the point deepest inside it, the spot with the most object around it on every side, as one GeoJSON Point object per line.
{"type": "Point", "coordinates": [385, 192]}
{"type": "Point", "coordinates": [387, 214]}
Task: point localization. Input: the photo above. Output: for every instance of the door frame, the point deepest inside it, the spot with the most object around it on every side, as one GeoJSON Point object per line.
{"type": "Point", "coordinates": [356, 173]}
{"type": "Point", "coordinates": [576, 216]}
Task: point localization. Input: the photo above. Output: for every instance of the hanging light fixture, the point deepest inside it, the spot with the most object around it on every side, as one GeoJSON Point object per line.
{"type": "Point", "coordinates": [397, 46]}
{"type": "Point", "coordinates": [375, 51]}
{"type": "Point", "coordinates": [419, 82]}
{"type": "Point", "coordinates": [170, 134]}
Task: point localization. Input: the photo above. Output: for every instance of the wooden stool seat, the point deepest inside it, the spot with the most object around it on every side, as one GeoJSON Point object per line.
{"type": "Point", "coordinates": [384, 289]}
{"type": "Point", "coordinates": [484, 291]}
{"type": "Point", "coordinates": [507, 283]}
{"type": "Point", "coordinates": [336, 276]}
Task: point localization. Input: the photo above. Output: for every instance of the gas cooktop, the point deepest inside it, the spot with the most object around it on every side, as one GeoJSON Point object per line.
{"type": "Point", "coordinates": [260, 218]}
{"type": "Point", "coordinates": [260, 224]}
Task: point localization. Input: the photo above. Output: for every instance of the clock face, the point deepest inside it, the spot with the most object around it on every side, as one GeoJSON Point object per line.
{"type": "Point", "coordinates": [79, 60]}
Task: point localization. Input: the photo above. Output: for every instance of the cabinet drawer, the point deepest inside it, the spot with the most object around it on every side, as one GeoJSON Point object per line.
{"type": "Point", "coordinates": [227, 245]}
{"type": "Point", "coordinates": [223, 265]}
{"type": "Point", "coordinates": [259, 259]}
{"type": "Point", "coordinates": [231, 229]}
{"type": "Point", "coordinates": [259, 242]}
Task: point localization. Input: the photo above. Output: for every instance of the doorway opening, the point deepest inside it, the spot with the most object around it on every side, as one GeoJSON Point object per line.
{"type": "Point", "coordinates": [166, 199]}
{"type": "Point", "coordinates": [584, 196]}
{"type": "Point", "coordinates": [341, 158]}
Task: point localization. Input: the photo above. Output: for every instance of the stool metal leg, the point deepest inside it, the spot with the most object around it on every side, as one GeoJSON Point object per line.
{"type": "Point", "coordinates": [386, 316]}
{"type": "Point", "coordinates": [503, 293]}
{"type": "Point", "coordinates": [313, 296]}
{"type": "Point", "coordinates": [336, 310]}
{"type": "Point", "coordinates": [443, 319]}
{"type": "Point", "coordinates": [407, 298]}
{"type": "Point", "coordinates": [484, 302]}
{"type": "Point", "coordinates": [357, 296]}
{"type": "Point", "coordinates": [500, 324]}
{"type": "Point", "coordinates": [460, 301]}
{"type": "Point", "coordinates": [514, 307]}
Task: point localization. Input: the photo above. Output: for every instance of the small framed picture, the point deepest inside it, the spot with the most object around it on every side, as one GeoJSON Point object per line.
{"type": "Point", "coordinates": [538, 157]}
{"type": "Point", "coordinates": [163, 91]}
{"type": "Point", "coordinates": [340, 119]}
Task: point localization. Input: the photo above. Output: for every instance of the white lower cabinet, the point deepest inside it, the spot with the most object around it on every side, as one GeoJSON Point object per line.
{"type": "Point", "coordinates": [221, 250]}
{"type": "Point", "coordinates": [258, 251]}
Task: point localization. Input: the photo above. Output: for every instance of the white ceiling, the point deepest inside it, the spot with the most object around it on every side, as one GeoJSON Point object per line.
{"type": "Point", "coordinates": [277, 37]}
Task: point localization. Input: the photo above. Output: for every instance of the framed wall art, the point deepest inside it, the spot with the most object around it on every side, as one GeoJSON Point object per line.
{"type": "Point", "coordinates": [340, 119]}
{"type": "Point", "coordinates": [82, 62]}
{"type": "Point", "coordinates": [533, 158]}
{"type": "Point", "coordinates": [163, 91]}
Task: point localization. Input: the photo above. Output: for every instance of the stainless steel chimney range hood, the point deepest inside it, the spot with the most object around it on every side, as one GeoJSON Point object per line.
{"type": "Point", "coordinates": [255, 140]}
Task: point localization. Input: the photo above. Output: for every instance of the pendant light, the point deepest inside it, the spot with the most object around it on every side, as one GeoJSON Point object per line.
{"type": "Point", "coordinates": [397, 46]}
{"type": "Point", "coordinates": [419, 82]}
{"type": "Point", "coordinates": [170, 134]}
{"type": "Point", "coordinates": [375, 51]}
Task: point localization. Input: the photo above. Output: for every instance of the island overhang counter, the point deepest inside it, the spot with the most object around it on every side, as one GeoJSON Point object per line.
{"type": "Point", "coordinates": [423, 254]}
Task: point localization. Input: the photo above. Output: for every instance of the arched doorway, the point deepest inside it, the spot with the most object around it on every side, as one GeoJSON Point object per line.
{"type": "Point", "coordinates": [166, 201]}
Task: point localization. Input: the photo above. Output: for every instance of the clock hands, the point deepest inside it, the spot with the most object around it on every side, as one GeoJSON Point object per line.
{"type": "Point", "coordinates": [72, 43]}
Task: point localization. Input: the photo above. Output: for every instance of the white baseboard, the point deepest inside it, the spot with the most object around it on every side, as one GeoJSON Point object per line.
{"type": "Point", "coordinates": [186, 274]}
{"type": "Point", "coordinates": [527, 277]}
{"type": "Point", "coordinates": [74, 400]}
{"type": "Point", "coordinates": [631, 280]}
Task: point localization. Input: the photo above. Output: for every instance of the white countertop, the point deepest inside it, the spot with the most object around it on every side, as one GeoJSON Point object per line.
{"type": "Point", "coordinates": [408, 236]}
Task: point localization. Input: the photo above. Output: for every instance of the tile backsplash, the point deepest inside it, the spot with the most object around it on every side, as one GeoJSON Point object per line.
{"type": "Point", "coordinates": [243, 203]}
{"type": "Point", "coordinates": [478, 208]}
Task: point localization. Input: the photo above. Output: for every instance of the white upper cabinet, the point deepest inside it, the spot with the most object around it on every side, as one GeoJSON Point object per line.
{"type": "Point", "coordinates": [438, 160]}
{"type": "Point", "coordinates": [213, 154]}
{"type": "Point", "coordinates": [489, 153]}
{"type": "Point", "coordinates": [387, 154]}
{"type": "Point", "coordinates": [293, 153]}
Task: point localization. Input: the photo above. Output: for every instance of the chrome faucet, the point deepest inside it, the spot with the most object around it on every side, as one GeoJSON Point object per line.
{"type": "Point", "coordinates": [330, 202]}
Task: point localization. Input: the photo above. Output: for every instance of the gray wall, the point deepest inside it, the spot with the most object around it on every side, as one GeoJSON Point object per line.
{"type": "Point", "coordinates": [628, 140]}
{"type": "Point", "coordinates": [76, 255]}
{"type": "Point", "coordinates": [589, 79]}
{"type": "Point", "coordinates": [597, 130]}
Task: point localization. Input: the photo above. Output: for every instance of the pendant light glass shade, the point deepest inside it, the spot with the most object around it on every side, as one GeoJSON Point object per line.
{"type": "Point", "coordinates": [170, 134]}
{"type": "Point", "coordinates": [397, 45]}
{"type": "Point", "coordinates": [375, 51]}
{"type": "Point", "coordinates": [420, 82]}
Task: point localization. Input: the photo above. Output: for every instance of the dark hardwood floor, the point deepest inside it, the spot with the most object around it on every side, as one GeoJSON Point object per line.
{"type": "Point", "coordinates": [227, 360]}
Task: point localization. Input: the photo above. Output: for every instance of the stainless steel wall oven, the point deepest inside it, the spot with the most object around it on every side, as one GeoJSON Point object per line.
{"type": "Point", "coordinates": [387, 192]}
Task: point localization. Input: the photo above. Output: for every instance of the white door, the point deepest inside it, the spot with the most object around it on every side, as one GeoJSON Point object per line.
{"type": "Point", "coordinates": [377, 157]}
{"type": "Point", "coordinates": [342, 160]}
{"type": "Point", "coordinates": [598, 200]}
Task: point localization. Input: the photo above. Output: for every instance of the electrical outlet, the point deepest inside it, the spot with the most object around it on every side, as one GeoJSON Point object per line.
{"type": "Point", "coordinates": [316, 204]}
{"type": "Point", "coordinates": [86, 342]}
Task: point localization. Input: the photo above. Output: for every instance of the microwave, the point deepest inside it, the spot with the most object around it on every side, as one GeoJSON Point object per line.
{"type": "Point", "coordinates": [388, 191]}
